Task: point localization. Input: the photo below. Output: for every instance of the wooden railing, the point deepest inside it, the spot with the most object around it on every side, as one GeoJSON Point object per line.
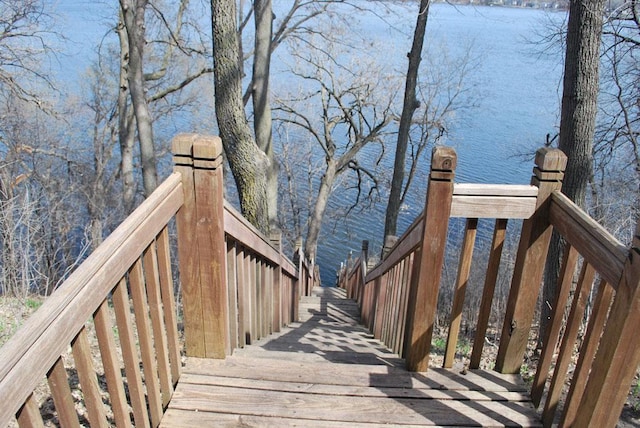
{"type": "Point", "coordinates": [236, 287]}
{"type": "Point", "coordinates": [399, 296]}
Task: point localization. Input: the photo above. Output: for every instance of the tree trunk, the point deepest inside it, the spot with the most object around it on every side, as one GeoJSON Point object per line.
{"type": "Point", "coordinates": [126, 126]}
{"type": "Point", "coordinates": [315, 223]}
{"type": "Point", "coordinates": [577, 121]}
{"type": "Point", "coordinates": [409, 107]}
{"type": "Point", "coordinates": [133, 16]}
{"type": "Point", "coordinates": [261, 106]}
{"type": "Point", "coordinates": [249, 165]}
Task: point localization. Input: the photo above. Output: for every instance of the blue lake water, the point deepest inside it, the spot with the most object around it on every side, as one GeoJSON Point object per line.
{"type": "Point", "coordinates": [517, 96]}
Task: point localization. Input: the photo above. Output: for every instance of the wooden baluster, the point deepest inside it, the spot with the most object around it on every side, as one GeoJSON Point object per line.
{"type": "Point", "coordinates": [464, 268]}
{"type": "Point", "coordinates": [530, 260]}
{"type": "Point", "coordinates": [232, 293]}
{"type": "Point", "coordinates": [587, 352]}
{"type": "Point", "coordinates": [565, 354]}
{"type": "Point", "coordinates": [112, 369]}
{"type": "Point", "coordinates": [425, 282]}
{"type": "Point", "coordinates": [493, 268]}
{"type": "Point", "coordinates": [29, 414]}
{"type": "Point", "coordinates": [61, 393]}
{"type": "Point", "coordinates": [91, 392]}
{"type": "Point", "coordinates": [130, 354]}
{"type": "Point", "coordinates": [159, 329]}
{"type": "Point", "coordinates": [618, 355]}
{"type": "Point", "coordinates": [565, 281]}
{"type": "Point", "coordinates": [169, 303]}
{"type": "Point", "coordinates": [278, 283]}
{"type": "Point", "coordinates": [143, 326]}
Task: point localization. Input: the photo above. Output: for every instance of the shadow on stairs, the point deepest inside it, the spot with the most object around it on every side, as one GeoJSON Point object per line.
{"type": "Point", "coordinates": [329, 371]}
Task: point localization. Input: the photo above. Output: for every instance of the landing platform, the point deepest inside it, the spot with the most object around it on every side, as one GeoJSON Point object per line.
{"type": "Point", "coordinates": [328, 371]}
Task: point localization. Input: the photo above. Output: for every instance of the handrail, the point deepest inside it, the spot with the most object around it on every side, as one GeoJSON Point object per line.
{"type": "Point", "coordinates": [400, 293]}
{"type": "Point", "coordinates": [29, 355]}
{"type": "Point", "coordinates": [236, 285]}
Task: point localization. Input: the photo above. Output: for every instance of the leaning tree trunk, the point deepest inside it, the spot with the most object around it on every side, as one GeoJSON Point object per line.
{"type": "Point", "coordinates": [261, 106]}
{"type": "Point", "coordinates": [126, 126]}
{"type": "Point", "coordinates": [133, 16]}
{"type": "Point", "coordinates": [409, 107]}
{"type": "Point", "coordinates": [315, 222]}
{"type": "Point", "coordinates": [577, 122]}
{"type": "Point", "coordinates": [249, 165]}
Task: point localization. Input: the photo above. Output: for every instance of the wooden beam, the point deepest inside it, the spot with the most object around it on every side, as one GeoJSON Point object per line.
{"type": "Point", "coordinates": [425, 282]}
{"type": "Point", "coordinates": [530, 261]}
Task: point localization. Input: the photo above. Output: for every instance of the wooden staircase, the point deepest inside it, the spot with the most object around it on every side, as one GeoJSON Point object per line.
{"type": "Point", "coordinates": [328, 371]}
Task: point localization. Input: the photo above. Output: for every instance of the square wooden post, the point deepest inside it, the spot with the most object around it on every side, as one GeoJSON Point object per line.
{"type": "Point", "coordinates": [530, 262]}
{"type": "Point", "coordinates": [618, 354]}
{"type": "Point", "coordinates": [425, 281]}
{"type": "Point", "coordinates": [201, 248]}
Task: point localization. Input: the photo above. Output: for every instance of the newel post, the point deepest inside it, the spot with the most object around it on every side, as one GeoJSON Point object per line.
{"type": "Point", "coordinates": [201, 247]}
{"type": "Point", "coordinates": [425, 282]}
{"type": "Point", "coordinates": [618, 354]}
{"type": "Point", "coordinates": [530, 262]}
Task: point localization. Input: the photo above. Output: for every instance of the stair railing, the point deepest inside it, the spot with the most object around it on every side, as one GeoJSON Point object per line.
{"type": "Point", "coordinates": [400, 294]}
{"type": "Point", "coordinates": [236, 287]}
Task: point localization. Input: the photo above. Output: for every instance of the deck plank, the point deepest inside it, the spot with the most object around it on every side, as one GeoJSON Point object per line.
{"type": "Point", "coordinates": [328, 371]}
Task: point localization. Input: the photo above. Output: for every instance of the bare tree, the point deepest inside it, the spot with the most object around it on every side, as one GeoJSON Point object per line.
{"type": "Point", "coordinates": [410, 104]}
{"type": "Point", "coordinates": [351, 109]}
{"type": "Point", "coordinates": [133, 18]}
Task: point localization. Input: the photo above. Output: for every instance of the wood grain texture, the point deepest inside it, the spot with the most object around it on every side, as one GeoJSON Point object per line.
{"type": "Point", "coordinates": [329, 372]}
{"type": "Point", "coordinates": [462, 280]}
{"type": "Point", "coordinates": [593, 242]}
{"type": "Point", "coordinates": [31, 352]}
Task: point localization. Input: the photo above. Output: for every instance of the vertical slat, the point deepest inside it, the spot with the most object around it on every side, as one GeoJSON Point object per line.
{"type": "Point", "coordinates": [587, 352]}
{"type": "Point", "coordinates": [488, 290]}
{"type": "Point", "coordinates": [158, 332]}
{"type": "Point", "coordinates": [568, 342]}
{"type": "Point", "coordinates": [130, 354]}
{"type": "Point", "coordinates": [405, 297]}
{"type": "Point", "coordinates": [565, 281]}
{"type": "Point", "coordinates": [209, 185]}
{"type": "Point", "coordinates": [398, 304]}
{"type": "Point", "coordinates": [149, 365]}
{"type": "Point", "coordinates": [381, 306]}
{"type": "Point", "coordinates": [244, 302]}
{"type": "Point", "coordinates": [618, 354]}
{"type": "Point", "coordinates": [29, 414]}
{"type": "Point", "coordinates": [232, 292]}
{"type": "Point", "coordinates": [530, 261]}
{"type": "Point", "coordinates": [88, 379]}
{"type": "Point", "coordinates": [169, 303]}
{"type": "Point", "coordinates": [464, 267]}
{"type": "Point", "coordinates": [61, 393]}
{"type": "Point", "coordinates": [425, 282]}
{"type": "Point", "coordinates": [251, 267]}
{"type": "Point", "coordinates": [277, 299]}
{"type": "Point", "coordinates": [107, 344]}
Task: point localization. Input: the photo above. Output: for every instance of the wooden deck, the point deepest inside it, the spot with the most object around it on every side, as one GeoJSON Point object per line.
{"type": "Point", "coordinates": [328, 371]}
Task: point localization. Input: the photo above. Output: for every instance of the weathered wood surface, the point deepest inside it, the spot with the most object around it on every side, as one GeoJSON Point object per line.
{"type": "Point", "coordinates": [328, 371]}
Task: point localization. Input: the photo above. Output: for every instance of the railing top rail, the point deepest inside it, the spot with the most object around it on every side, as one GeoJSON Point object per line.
{"type": "Point", "coordinates": [241, 230]}
{"type": "Point", "coordinates": [599, 247]}
{"type": "Point", "coordinates": [28, 355]}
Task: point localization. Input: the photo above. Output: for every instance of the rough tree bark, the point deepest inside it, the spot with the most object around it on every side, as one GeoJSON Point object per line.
{"type": "Point", "coordinates": [261, 106]}
{"type": "Point", "coordinates": [126, 125]}
{"type": "Point", "coordinates": [249, 165]}
{"type": "Point", "coordinates": [577, 121]}
{"type": "Point", "coordinates": [134, 21]}
{"type": "Point", "coordinates": [410, 105]}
